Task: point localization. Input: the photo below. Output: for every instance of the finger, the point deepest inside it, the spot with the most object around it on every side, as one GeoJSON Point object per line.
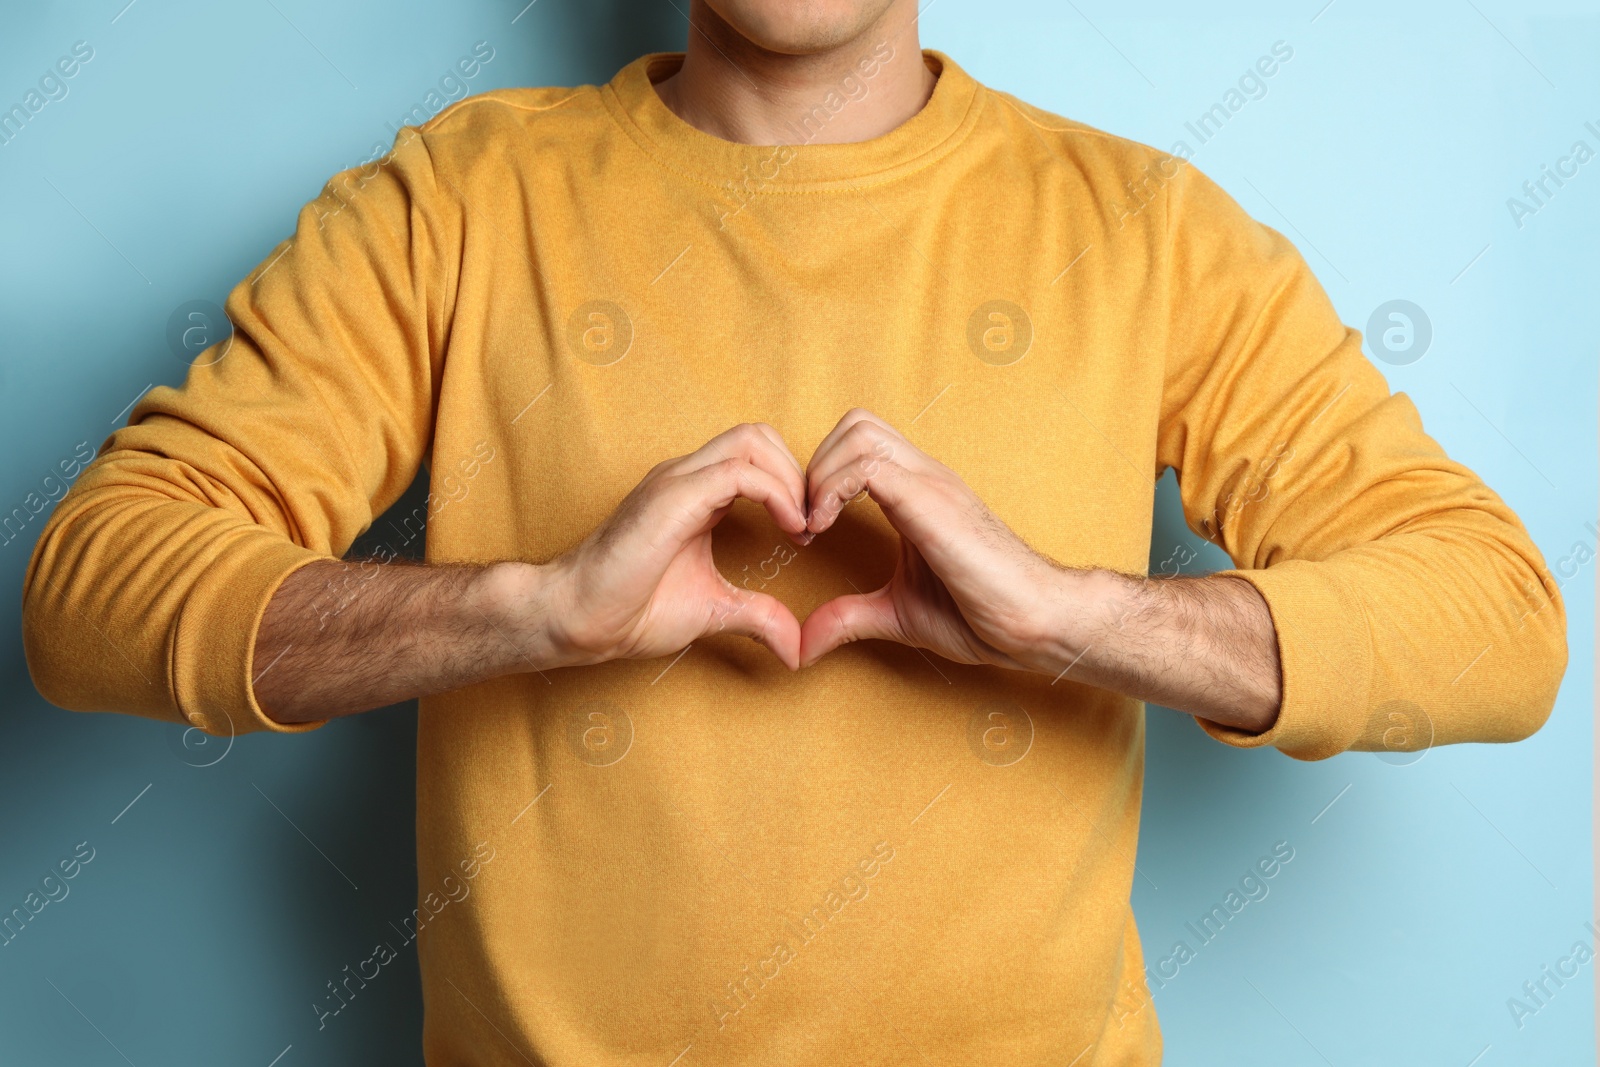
{"type": "Point", "coordinates": [788, 468]}
{"type": "Point", "coordinates": [843, 426]}
{"type": "Point", "coordinates": [700, 498]}
{"type": "Point", "coordinates": [857, 617]}
{"type": "Point", "coordinates": [759, 616]}
{"type": "Point", "coordinates": [866, 457]}
{"type": "Point", "coordinates": [754, 443]}
{"type": "Point", "coordinates": [771, 434]}
{"type": "Point", "coordinates": [764, 446]}
{"type": "Point", "coordinates": [857, 450]}
{"type": "Point", "coordinates": [794, 472]}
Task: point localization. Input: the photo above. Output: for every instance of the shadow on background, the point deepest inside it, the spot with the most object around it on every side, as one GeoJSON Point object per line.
{"type": "Point", "coordinates": [601, 36]}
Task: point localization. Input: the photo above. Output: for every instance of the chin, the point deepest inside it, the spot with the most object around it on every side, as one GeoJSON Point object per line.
{"type": "Point", "coordinates": [799, 27]}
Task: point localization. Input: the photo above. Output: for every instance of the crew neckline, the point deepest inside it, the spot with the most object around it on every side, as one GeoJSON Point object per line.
{"type": "Point", "coordinates": [950, 112]}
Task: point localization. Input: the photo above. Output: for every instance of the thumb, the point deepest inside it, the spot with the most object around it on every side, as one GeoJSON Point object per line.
{"type": "Point", "coordinates": [757, 615]}
{"type": "Point", "coordinates": [857, 617]}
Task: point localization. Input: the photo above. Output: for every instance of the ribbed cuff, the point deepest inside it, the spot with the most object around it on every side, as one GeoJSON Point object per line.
{"type": "Point", "coordinates": [214, 638]}
{"type": "Point", "coordinates": [1325, 648]}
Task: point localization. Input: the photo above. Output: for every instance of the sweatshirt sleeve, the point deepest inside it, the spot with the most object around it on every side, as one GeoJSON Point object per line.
{"type": "Point", "coordinates": [1412, 609]}
{"type": "Point", "coordinates": [147, 585]}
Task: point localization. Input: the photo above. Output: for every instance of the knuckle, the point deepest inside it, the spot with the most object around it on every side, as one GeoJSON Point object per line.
{"type": "Point", "coordinates": [862, 434]}
{"type": "Point", "coordinates": [849, 625]}
{"type": "Point", "coordinates": [730, 471]}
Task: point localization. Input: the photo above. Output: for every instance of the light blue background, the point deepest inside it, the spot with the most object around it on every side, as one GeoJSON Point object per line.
{"type": "Point", "coordinates": [1386, 148]}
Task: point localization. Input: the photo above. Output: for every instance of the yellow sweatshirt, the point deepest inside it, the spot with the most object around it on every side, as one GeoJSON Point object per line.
{"type": "Point", "coordinates": [885, 858]}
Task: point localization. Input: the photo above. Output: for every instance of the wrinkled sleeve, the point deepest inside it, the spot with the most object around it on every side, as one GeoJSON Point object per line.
{"type": "Point", "coordinates": [1412, 608]}
{"type": "Point", "coordinates": [146, 587]}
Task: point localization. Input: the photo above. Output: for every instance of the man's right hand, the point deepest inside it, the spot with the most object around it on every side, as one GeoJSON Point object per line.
{"type": "Point", "coordinates": [338, 638]}
{"type": "Point", "coordinates": [643, 584]}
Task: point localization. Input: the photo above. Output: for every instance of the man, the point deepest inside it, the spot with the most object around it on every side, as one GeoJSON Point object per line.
{"type": "Point", "coordinates": [904, 831]}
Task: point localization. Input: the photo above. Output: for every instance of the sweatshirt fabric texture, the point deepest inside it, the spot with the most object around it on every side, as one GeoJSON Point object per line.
{"type": "Point", "coordinates": [886, 857]}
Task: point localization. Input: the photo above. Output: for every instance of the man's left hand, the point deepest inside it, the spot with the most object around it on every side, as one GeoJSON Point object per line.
{"type": "Point", "coordinates": [968, 588]}
{"type": "Point", "coordinates": [965, 586]}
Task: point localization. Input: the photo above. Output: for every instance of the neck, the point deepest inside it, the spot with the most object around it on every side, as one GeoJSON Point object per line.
{"type": "Point", "coordinates": [734, 89]}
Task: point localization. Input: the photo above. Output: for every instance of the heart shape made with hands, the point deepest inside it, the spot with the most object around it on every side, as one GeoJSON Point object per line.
{"type": "Point", "coordinates": [964, 586]}
{"type": "Point", "coordinates": [644, 584]}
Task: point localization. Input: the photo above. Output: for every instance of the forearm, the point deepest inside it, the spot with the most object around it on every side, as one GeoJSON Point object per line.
{"type": "Point", "coordinates": [340, 637]}
{"type": "Point", "coordinates": [1205, 645]}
